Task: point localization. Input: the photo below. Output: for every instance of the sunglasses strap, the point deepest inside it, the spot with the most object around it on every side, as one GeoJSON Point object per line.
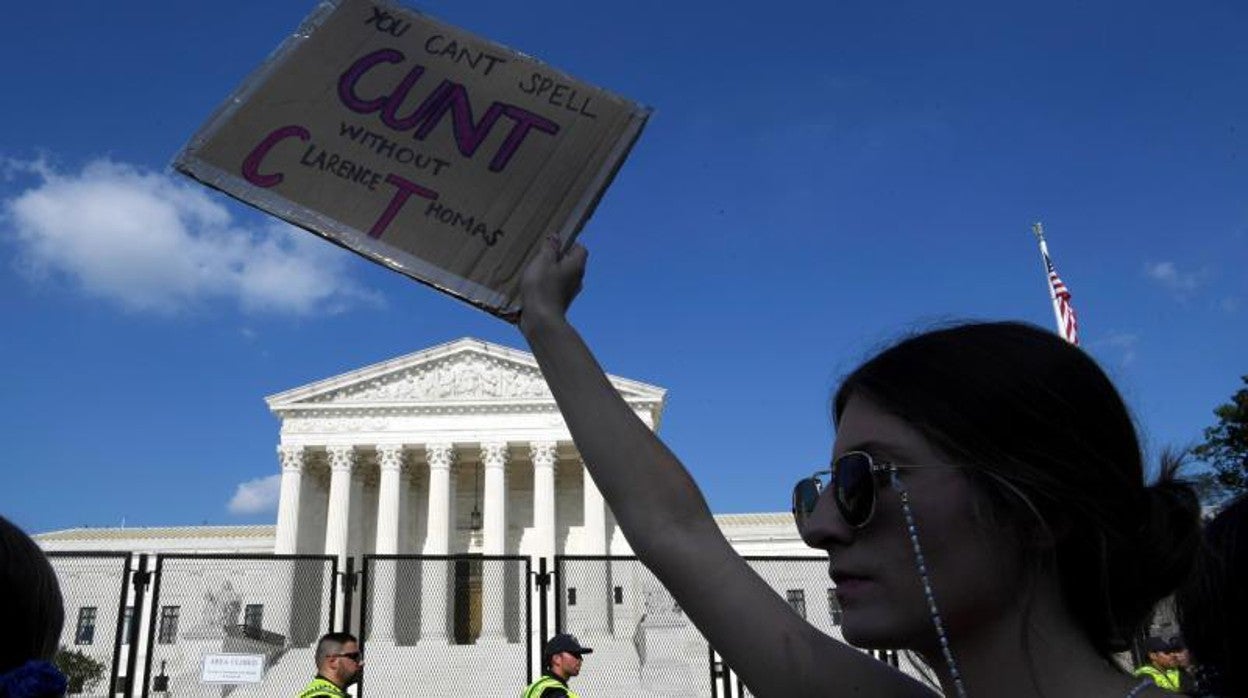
{"type": "Point", "coordinates": [913, 530]}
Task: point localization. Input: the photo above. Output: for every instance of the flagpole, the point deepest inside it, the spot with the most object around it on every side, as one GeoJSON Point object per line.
{"type": "Point", "coordinates": [1038, 229]}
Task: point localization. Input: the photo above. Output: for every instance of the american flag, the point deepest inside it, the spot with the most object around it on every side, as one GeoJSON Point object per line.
{"type": "Point", "coordinates": [1067, 323]}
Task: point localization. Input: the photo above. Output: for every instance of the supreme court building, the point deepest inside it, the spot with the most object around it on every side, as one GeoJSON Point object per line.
{"type": "Point", "coordinates": [454, 451]}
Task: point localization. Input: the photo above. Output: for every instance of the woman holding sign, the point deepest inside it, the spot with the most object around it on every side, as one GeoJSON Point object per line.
{"type": "Point", "coordinates": [984, 507]}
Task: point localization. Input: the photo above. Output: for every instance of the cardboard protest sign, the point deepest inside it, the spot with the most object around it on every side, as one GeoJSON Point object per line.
{"type": "Point", "coordinates": [437, 153]}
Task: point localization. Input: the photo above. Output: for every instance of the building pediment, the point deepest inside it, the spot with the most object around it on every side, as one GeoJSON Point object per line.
{"type": "Point", "coordinates": [464, 373]}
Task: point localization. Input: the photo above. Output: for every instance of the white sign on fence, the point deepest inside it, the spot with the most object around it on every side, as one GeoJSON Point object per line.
{"type": "Point", "coordinates": [232, 668]}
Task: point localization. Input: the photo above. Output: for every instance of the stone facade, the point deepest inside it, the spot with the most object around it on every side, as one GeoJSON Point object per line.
{"type": "Point", "coordinates": [456, 450]}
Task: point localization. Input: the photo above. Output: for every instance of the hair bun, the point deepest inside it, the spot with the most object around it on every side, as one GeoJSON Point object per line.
{"type": "Point", "coordinates": [1151, 562]}
{"type": "Point", "coordinates": [1170, 530]}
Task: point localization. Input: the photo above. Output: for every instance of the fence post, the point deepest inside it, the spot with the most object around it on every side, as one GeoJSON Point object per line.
{"type": "Point", "coordinates": [363, 586]}
{"type": "Point", "coordinates": [335, 578]}
{"type": "Point", "coordinates": [348, 594]}
{"type": "Point", "coordinates": [528, 623]}
{"type": "Point", "coordinates": [715, 668]}
{"type": "Point", "coordinates": [122, 628]}
{"type": "Point", "coordinates": [543, 589]}
{"type": "Point", "coordinates": [139, 578]}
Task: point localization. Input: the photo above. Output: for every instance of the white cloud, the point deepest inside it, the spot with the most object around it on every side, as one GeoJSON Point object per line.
{"type": "Point", "coordinates": [1168, 275]}
{"type": "Point", "coordinates": [1124, 343]}
{"type": "Point", "coordinates": [256, 496]}
{"type": "Point", "coordinates": [150, 242]}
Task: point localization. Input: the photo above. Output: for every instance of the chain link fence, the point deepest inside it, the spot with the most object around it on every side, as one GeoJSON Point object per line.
{"type": "Point", "coordinates": [97, 618]}
{"type": "Point", "coordinates": [442, 625]}
{"type": "Point", "coordinates": [273, 606]}
{"type": "Point", "coordinates": [643, 643]}
{"type": "Point", "coordinates": [465, 620]}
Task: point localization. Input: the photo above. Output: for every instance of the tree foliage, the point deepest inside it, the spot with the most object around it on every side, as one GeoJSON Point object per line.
{"type": "Point", "coordinates": [1226, 443]}
{"type": "Point", "coordinates": [82, 671]}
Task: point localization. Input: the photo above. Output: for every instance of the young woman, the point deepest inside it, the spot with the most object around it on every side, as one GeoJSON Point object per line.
{"type": "Point", "coordinates": [985, 507]}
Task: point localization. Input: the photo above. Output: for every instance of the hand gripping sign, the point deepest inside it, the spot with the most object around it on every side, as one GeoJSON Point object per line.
{"type": "Point", "coordinates": [437, 153]}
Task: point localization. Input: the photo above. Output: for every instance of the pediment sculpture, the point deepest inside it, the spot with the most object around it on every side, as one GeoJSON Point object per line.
{"type": "Point", "coordinates": [467, 377]}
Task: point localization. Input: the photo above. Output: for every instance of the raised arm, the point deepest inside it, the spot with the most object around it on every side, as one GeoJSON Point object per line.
{"type": "Point", "coordinates": [668, 522]}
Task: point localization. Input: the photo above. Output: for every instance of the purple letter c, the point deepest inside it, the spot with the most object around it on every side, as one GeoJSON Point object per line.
{"type": "Point", "coordinates": [251, 166]}
{"type": "Point", "coordinates": [346, 83]}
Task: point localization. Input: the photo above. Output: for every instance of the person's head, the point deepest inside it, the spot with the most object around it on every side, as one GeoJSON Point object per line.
{"type": "Point", "coordinates": [338, 659]}
{"type": "Point", "coordinates": [1164, 653]}
{"type": "Point", "coordinates": [1213, 605]}
{"type": "Point", "coordinates": [1042, 491]}
{"type": "Point", "coordinates": [28, 587]}
{"type": "Point", "coordinates": [563, 655]}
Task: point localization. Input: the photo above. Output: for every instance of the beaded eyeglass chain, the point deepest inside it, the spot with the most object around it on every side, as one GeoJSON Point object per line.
{"type": "Point", "coordinates": [913, 530]}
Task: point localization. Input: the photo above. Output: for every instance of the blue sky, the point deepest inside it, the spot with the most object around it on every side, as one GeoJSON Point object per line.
{"type": "Point", "coordinates": [817, 178]}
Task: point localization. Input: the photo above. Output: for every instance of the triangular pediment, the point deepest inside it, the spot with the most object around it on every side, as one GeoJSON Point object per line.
{"type": "Point", "coordinates": [466, 371]}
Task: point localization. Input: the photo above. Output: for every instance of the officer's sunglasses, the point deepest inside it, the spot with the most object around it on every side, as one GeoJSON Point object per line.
{"type": "Point", "coordinates": [353, 656]}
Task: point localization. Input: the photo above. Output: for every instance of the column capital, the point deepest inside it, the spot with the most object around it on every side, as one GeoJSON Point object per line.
{"type": "Point", "coordinates": [291, 457]}
{"type": "Point", "coordinates": [390, 456]}
{"type": "Point", "coordinates": [543, 453]}
{"type": "Point", "coordinates": [494, 454]}
{"type": "Point", "coordinates": [287, 538]}
{"type": "Point", "coordinates": [440, 455]}
{"type": "Point", "coordinates": [341, 458]}
{"type": "Point", "coordinates": [408, 475]}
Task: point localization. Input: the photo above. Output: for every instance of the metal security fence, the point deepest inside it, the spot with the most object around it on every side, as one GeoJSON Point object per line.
{"type": "Point", "coordinates": [465, 620]}
{"type": "Point", "coordinates": [97, 618]}
{"type": "Point", "coordinates": [453, 623]}
{"type": "Point", "coordinates": [272, 606]}
{"type": "Point", "coordinates": [805, 584]}
{"type": "Point", "coordinates": [643, 643]}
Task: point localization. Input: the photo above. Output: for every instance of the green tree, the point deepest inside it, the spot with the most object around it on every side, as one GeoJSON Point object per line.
{"type": "Point", "coordinates": [1226, 443]}
{"type": "Point", "coordinates": [82, 671]}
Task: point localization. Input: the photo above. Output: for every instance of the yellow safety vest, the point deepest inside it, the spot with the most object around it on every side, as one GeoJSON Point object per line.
{"type": "Point", "coordinates": [1167, 679]}
{"type": "Point", "coordinates": [535, 690]}
{"type": "Point", "coordinates": [322, 687]}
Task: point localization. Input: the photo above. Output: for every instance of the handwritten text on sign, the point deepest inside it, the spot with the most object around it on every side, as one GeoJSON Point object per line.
{"type": "Point", "coordinates": [374, 108]}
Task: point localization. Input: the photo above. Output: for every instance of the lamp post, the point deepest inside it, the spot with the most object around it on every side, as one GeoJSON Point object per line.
{"type": "Point", "coordinates": [160, 682]}
{"type": "Point", "coordinates": [474, 516]}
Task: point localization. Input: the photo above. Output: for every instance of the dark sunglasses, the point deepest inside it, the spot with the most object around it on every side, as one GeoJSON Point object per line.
{"type": "Point", "coordinates": [854, 485]}
{"type": "Point", "coordinates": [353, 656]}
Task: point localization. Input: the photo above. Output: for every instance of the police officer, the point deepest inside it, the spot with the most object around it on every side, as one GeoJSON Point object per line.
{"type": "Point", "coordinates": [562, 660]}
{"type": "Point", "coordinates": [1163, 663]}
{"type": "Point", "coordinates": [339, 664]}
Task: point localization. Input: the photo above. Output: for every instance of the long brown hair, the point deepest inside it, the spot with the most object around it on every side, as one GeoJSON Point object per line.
{"type": "Point", "coordinates": [1047, 437]}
